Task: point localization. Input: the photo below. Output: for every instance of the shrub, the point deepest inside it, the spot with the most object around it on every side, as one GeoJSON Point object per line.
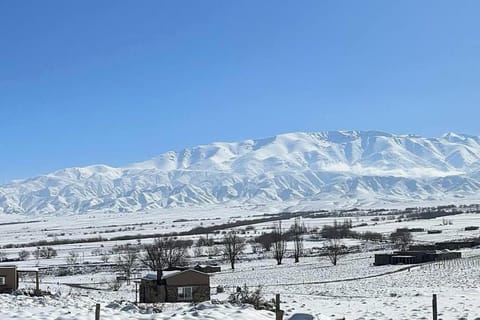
{"type": "Point", "coordinates": [252, 297]}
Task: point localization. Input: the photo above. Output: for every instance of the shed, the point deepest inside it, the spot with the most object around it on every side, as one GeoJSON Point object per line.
{"type": "Point", "coordinates": [8, 279]}
{"type": "Point", "coordinates": [412, 257]}
{"type": "Point", "coordinates": [176, 286]}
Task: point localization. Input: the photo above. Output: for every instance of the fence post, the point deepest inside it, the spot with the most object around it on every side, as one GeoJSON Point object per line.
{"type": "Point", "coordinates": [434, 306]}
{"type": "Point", "coordinates": [97, 311]}
{"type": "Point", "coordinates": [37, 284]}
{"type": "Point", "coordinates": [278, 312]}
{"type": "Point", "coordinates": [136, 292]}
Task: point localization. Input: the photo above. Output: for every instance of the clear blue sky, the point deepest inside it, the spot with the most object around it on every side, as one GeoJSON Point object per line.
{"type": "Point", "coordinates": [84, 82]}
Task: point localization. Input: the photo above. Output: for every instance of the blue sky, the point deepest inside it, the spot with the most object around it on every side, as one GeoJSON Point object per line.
{"type": "Point", "coordinates": [84, 82]}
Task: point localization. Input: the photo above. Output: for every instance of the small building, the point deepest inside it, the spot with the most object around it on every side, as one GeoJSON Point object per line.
{"type": "Point", "coordinates": [8, 279]}
{"type": "Point", "coordinates": [447, 245]}
{"type": "Point", "coordinates": [414, 257]}
{"type": "Point", "coordinates": [207, 268]}
{"type": "Point", "coordinates": [175, 286]}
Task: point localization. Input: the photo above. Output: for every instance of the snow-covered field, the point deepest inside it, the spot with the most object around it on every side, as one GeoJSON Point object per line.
{"type": "Point", "coordinates": [354, 289]}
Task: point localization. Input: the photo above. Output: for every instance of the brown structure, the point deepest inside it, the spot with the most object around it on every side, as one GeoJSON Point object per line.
{"type": "Point", "coordinates": [199, 267]}
{"type": "Point", "coordinates": [176, 286]}
{"type": "Point", "coordinates": [447, 245]}
{"type": "Point", "coordinates": [8, 279]}
{"type": "Point", "coordinates": [413, 257]}
{"type": "Point", "coordinates": [207, 268]}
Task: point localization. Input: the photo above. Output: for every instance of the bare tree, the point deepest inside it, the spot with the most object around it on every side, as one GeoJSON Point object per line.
{"type": "Point", "coordinates": [233, 246]}
{"type": "Point", "coordinates": [204, 241]}
{"type": "Point", "coordinates": [105, 255]}
{"type": "Point", "coordinates": [127, 262]}
{"type": "Point", "coordinates": [176, 250]}
{"type": "Point", "coordinates": [72, 258]}
{"type": "Point", "coordinates": [279, 242]}
{"type": "Point", "coordinates": [165, 253]}
{"type": "Point", "coordinates": [402, 238]}
{"type": "Point", "coordinates": [297, 230]}
{"type": "Point", "coordinates": [265, 240]}
{"type": "Point", "coordinates": [23, 255]}
{"type": "Point", "coordinates": [45, 253]}
{"type": "Point", "coordinates": [335, 249]}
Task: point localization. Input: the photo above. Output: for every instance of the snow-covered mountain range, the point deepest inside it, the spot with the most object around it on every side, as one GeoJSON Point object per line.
{"type": "Point", "coordinates": [364, 167]}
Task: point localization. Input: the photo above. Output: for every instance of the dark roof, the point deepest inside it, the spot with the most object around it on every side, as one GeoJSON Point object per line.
{"type": "Point", "coordinates": [170, 274]}
{"type": "Point", "coordinates": [174, 274]}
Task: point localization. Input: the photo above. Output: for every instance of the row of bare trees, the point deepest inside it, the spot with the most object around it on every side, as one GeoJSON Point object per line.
{"type": "Point", "coordinates": [277, 240]}
{"type": "Point", "coordinates": [166, 253]}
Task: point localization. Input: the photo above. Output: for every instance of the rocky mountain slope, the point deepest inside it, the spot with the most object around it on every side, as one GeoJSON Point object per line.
{"type": "Point", "coordinates": [366, 167]}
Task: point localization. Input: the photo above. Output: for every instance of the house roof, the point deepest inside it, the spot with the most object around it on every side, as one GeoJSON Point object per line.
{"type": "Point", "coordinates": [27, 269]}
{"type": "Point", "coordinates": [174, 274]}
{"type": "Point", "coordinates": [171, 274]}
{"type": "Point", "coordinates": [8, 267]}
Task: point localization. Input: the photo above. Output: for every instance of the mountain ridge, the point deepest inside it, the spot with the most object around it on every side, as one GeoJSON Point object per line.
{"type": "Point", "coordinates": [368, 166]}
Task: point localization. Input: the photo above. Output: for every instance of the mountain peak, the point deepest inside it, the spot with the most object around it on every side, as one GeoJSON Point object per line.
{"type": "Point", "coordinates": [362, 166]}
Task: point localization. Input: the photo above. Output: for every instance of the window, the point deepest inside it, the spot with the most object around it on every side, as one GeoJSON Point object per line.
{"type": "Point", "coordinates": [185, 293]}
{"type": "Point", "coordinates": [2, 281]}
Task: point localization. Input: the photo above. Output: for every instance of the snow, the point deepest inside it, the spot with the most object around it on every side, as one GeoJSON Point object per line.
{"type": "Point", "coordinates": [354, 289]}
{"type": "Point", "coordinates": [83, 308]}
{"type": "Point", "coordinates": [310, 289]}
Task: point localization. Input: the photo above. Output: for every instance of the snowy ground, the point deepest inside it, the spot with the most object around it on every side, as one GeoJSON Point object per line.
{"type": "Point", "coordinates": [354, 289]}
{"type": "Point", "coordinates": [82, 308]}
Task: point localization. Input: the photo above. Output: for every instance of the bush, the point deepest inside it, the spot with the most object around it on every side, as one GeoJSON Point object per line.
{"type": "Point", "coordinates": [23, 255]}
{"type": "Point", "coordinates": [254, 298]}
{"type": "Point", "coordinates": [45, 253]}
{"type": "Point", "coordinates": [204, 242]}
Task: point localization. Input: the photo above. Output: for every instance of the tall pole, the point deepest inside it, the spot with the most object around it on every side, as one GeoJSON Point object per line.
{"type": "Point", "coordinates": [434, 306]}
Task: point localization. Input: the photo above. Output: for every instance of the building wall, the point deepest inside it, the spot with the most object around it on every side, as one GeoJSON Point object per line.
{"type": "Point", "coordinates": [167, 291]}
{"type": "Point", "coordinates": [198, 281]}
{"type": "Point", "coordinates": [199, 293]}
{"type": "Point", "coordinates": [10, 274]}
{"type": "Point", "coordinates": [150, 292]}
{"type": "Point", "coordinates": [414, 257]}
{"type": "Point", "coordinates": [189, 278]}
{"type": "Point", "coordinates": [382, 259]}
{"type": "Point", "coordinates": [448, 256]}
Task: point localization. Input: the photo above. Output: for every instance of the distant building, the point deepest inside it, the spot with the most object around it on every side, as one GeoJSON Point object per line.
{"type": "Point", "coordinates": [8, 279]}
{"type": "Point", "coordinates": [206, 268]}
{"type": "Point", "coordinates": [414, 257]}
{"type": "Point", "coordinates": [447, 245]}
{"type": "Point", "coordinates": [175, 286]}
